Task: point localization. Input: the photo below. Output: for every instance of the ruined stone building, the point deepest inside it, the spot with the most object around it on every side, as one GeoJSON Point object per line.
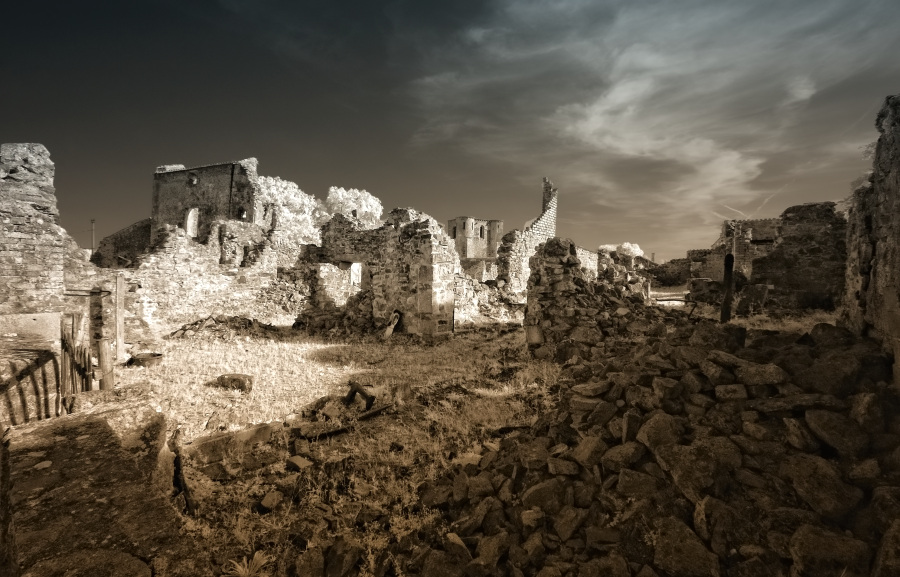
{"type": "Point", "coordinates": [746, 240]}
{"type": "Point", "coordinates": [476, 242]}
{"type": "Point", "coordinates": [209, 248]}
{"type": "Point", "coordinates": [795, 261]}
{"type": "Point", "coordinates": [198, 200]}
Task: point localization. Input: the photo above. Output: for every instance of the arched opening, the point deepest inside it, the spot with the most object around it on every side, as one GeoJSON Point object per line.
{"type": "Point", "coordinates": [482, 232]}
{"type": "Point", "coordinates": [454, 232]}
{"type": "Point", "coordinates": [192, 222]}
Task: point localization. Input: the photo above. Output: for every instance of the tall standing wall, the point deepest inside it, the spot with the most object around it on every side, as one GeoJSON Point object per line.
{"type": "Point", "coordinates": [872, 296]}
{"type": "Point", "coordinates": [518, 246]}
{"type": "Point", "coordinates": [32, 244]}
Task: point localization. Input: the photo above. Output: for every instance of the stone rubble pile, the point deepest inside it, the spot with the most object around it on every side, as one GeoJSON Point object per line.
{"type": "Point", "coordinates": [221, 326]}
{"type": "Point", "coordinates": [569, 315]}
{"type": "Point", "coordinates": [692, 455]}
{"type": "Point", "coordinates": [353, 318]}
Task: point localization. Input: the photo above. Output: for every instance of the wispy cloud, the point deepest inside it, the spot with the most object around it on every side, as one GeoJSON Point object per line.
{"type": "Point", "coordinates": [699, 96]}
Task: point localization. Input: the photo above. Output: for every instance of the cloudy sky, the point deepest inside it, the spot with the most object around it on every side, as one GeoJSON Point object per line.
{"type": "Point", "coordinates": [655, 119]}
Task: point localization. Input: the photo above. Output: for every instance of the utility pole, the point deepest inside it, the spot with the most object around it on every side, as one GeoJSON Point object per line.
{"type": "Point", "coordinates": [93, 241]}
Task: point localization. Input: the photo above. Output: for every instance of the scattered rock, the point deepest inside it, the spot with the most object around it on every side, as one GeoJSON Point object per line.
{"type": "Point", "coordinates": [818, 482]}
{"type": "Point", "coordinates": [817, 552]}
{"type": "Point", "coordinates": [678, 551]}
{"type": "Point", "coordinates": [235, 381]}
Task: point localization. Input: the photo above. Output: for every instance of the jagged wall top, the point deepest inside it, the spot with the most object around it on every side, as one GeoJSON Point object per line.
{"type": "Point", "coordinates": [26, 178]}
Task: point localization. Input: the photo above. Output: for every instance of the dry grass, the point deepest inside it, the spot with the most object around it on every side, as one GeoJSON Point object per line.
{"type": "Point", "coordinates": [794, 322]}
{"type": "Point", "coordinates": [452, 398]}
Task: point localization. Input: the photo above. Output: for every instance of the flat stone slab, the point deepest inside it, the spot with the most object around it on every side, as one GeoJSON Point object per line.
{"type": "Point", "coordinates": [90, 487]}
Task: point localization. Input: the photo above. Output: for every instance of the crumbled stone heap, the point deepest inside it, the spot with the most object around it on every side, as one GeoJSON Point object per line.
{"type": "Point", "coordinates": [568, 315]}
{"type": "Point", "coordinates": [691, 455]}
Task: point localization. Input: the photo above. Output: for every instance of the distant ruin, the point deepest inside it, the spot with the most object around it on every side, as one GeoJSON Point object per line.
{"type": "Point", "coordinates": [214, 245]}
{"type": "Point", "coordinates": [795, 261]}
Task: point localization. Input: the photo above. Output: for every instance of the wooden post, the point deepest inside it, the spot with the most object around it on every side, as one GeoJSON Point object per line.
{"type": "Point", "coordinates": [728, 281]}
{"type": "Point", "coordinates": [64, 367]}
{"type": "Point", "coordinates": [87, 381]}
{"type": "Point", "coordinates": [120, 318]}
{"type": "Point", "coordinates": [107, 376]}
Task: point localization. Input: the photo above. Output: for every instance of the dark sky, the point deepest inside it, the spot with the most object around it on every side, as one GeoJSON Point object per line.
{"type": "Point", "coordinates": [655, 119]}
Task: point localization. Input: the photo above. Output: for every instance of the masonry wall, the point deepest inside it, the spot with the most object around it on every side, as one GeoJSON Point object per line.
{"type": "Point", "coordinates": [519, 246]}
{"type": "Point", "coordinates": [708, 263]}
{"type": "Point", "coordinates": [872, 296]}
{"type": "Point", "coordinates": [183, 280]}
{"type": "Point", "coordinates": [675, 272]}
{"type": "Point", "coordinates": [479, 305]}
{"type": "Point", "coordinates": [219, 192]}
{"type": "Point", "coordinates": [31, 241]}
{"type": "Point", "coordinates": [806, 269]}
{"type": "Point", "coordinates": [409, 265]}
{"type": "Point", "coordinates": [481, 269]}
{"type": "Point", "coordinates": [589, 261]}
{"type": "Point", "coordinates": [749, 240]}
{"type": "Point", "coordinates": [121, 249]}
{"type": "Point", "coordinates": [567, 315]}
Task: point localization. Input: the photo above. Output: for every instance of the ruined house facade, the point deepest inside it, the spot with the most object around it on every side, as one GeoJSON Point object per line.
{"type": "Point", "coordinates": [194, 198]}
{"type": "Point", "coordinates": [746, 240]}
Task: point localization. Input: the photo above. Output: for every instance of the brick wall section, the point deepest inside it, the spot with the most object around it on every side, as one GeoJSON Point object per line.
{"type": "Point", "coordinates": [518, 246]}
{"type": "Point", "coordinates": [872, 297]}
{"type": "Point", "coordinates": [807, 265]}
{"type": "Point", "coordinates": [31, 242]}
{"type": "Point", "coordinates": [480, 269]}
{"type": "Point", "coordinates": [121, 249]}
{"type": "Point", "coordinates": [183, 280]}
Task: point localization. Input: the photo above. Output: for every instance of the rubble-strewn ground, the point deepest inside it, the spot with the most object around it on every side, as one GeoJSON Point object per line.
{"type": "Point", "coordinates": [709, 451]}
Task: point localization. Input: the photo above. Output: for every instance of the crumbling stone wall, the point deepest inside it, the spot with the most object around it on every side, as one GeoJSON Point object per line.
{"type": "Point", "coordinates": [182, 280]}
{"type": "Point", "coordinates": [121, 249]}
{"type": "Point", "coordinates": [806, 268]}
{"type": "Point", "coordinates": [481, 304]}
{"type": "Point", "coordinates": [32, 244]}
{"type": "Point", "coordinates": [517, 247]}
{"type": "Point", "coordinates": [567, 315]}
{"type": "Point", "coordinates": [409, 265]}
{"type": "Point", "coordinates": [675, 272]}
{"type": "Point", "coordinates": [872, 299]}
{"type": "Point", "coordinates": [708, 263]}
{"type": "Point", "coordinates": [480, 269]}
{"type": "Point", "coordinates": [749, 240]}
{"type": "Point", "coordinates": [792, 262]}
{"type": "Point", "coordinates": [227, 191]}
